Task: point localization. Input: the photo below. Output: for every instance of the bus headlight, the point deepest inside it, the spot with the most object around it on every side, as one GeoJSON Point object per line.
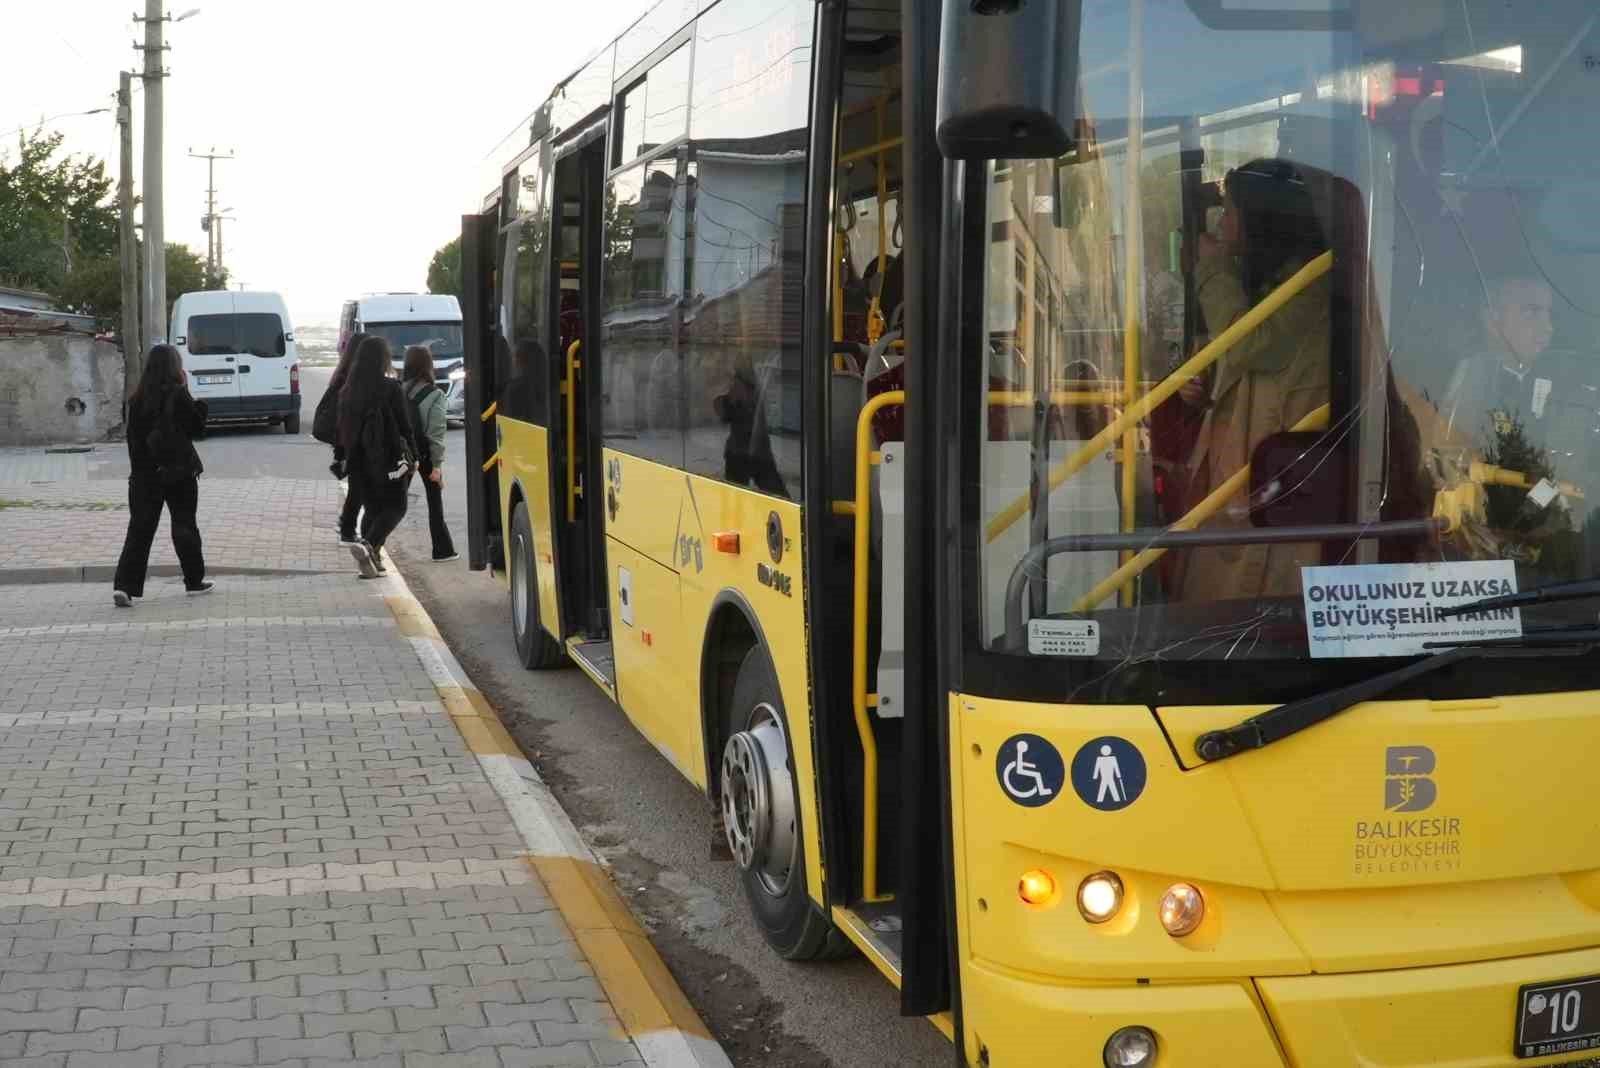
{"type": "Point", "coordinates": [1100, 896]}
{"type": "Point", "coordinates": [1182, 909]}
{"type": "Point", "coordinates": [1131, 1047]}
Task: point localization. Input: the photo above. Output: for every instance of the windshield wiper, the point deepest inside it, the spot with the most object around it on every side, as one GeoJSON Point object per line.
{"type": "Point", "coordinates": [1550, 593]}
{"type": "Point", "coordinates": [1296, 716]}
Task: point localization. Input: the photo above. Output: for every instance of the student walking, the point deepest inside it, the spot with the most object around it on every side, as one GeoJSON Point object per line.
{"type": "Point", "coordinates": [163, 420]}
{"type": "Point", "coordinates": [375, 433]}
{"type": "Point", "coordinates": [325, 428]}
{"type": "Point", "coordinates": [428, 421]}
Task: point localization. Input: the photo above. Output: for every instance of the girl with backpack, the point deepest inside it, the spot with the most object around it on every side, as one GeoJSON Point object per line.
{"type": "Point", "coordinates": [325, 428]}
{"type": "Point", "coordinates": [375, 433]}
{"type": "Point", "coordinates": [163, 421]}
{"type": "Point", "coordinates": [428, 419]}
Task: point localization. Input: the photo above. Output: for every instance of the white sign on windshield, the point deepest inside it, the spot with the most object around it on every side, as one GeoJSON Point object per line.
{"type": "Point", "coordinates": [1392, 609]}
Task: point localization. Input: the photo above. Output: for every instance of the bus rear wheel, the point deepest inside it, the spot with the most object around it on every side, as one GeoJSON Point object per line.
{"type": "Point", "coordinates": [761, 818]}
{"type": "Point", "coordinates": [535, 648]}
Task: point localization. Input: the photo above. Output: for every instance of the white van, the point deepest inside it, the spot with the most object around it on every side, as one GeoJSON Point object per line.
{"type": "Point", "coordinates": [404, 319]}
{"type": "Point", "coordinates": [240, 353]}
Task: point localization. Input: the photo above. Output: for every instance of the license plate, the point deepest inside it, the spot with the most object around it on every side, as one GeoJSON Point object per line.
{"type": "Point", "coordinates": [213, 380]}
{"type": "Point", "coordinates": [1559, 1017]}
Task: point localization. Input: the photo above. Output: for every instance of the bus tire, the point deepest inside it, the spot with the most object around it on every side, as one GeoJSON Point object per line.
{"type": "Point", "coordinates": [535, 648]}
{"type": "Point", "coordinates": [760, 815]}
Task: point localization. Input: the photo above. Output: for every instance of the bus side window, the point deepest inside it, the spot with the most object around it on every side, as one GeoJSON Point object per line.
{"type": "Point", "coordinates": [741, 324]}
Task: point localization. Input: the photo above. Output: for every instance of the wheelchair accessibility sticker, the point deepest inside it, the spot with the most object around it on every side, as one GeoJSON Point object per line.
{"type": "Point", "coordinates": [1030, 770]}
{"type": "Point", "coordinates": [1108, 773]}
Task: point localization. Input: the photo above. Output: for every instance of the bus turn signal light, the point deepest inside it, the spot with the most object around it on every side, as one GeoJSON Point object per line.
{"type": "Point", "coordinates": [1036, 887]}
{"type": "Point", "coordinates": [1182, 909]}
{"type": "Point", "coordinates": [1100, 896]}
{"type": "Point", "coordinates": [726, 541]}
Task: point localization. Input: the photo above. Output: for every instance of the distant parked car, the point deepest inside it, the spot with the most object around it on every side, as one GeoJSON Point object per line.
{"type": "Point", "coordinates": [455, 401]}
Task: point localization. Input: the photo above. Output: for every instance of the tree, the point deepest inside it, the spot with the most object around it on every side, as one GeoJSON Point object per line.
{"type": "Point", "coordinates": [95, 286]}
{"type": "Point", "coordinates": [444, 271]}
{"type": "Point", "coordinates": [54, 212]}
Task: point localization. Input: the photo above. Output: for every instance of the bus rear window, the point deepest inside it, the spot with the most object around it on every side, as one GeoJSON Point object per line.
{"type": "Point", "coordinates": [255, 333]}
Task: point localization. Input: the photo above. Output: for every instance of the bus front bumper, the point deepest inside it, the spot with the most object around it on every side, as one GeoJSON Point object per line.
{"type": "Point", "coordinates": [1460, 1015]}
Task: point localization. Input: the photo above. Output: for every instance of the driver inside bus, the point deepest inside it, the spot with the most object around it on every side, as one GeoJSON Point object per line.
{"type": "Point", "coordinates": [1492, 388]}
{"type": "Point", "coordinates": [1271, 379]}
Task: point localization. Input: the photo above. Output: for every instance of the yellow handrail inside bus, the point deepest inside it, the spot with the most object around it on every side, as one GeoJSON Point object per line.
{"type": "Point", "coordinates": [491, 461]}
{"type": "Point", "coordinates": [1066, 398]}
{"type": "Point", "coordinates": [488, 413]}
{"type": "Point", "coordinates": [1139, 409]}
{"type": "Point", "coordinates": [859, 699]}
{"type": "Point", "coordinates": [1134, 566]}
{"type": "Point", "coordinates": [1490, 475]}
{"type": "Point", "coordinates": [569, 386]}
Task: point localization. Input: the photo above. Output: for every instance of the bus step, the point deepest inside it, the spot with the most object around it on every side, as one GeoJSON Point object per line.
{"type": "Point", "coordinates": [597, 661]}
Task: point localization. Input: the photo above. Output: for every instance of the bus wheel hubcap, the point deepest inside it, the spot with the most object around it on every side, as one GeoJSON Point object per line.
{"type": "Point", "coordinates": [758, 801]}
{"type": "Point", "coordinates": [519, 588]}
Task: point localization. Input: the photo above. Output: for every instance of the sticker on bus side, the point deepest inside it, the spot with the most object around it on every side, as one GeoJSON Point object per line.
{"type": "Point", "coordinates": [1063, 637]}
{"type": "Point", "coordinates": [1392, 609]}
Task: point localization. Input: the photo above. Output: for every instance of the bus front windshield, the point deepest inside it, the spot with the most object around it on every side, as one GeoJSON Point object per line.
{"type": "Point", "coordinates": [1301, 341]}
{"type": "Point", "coordinates": [443, 340]}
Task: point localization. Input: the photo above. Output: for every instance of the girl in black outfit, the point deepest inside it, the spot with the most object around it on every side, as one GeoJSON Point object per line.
{"type": "Point", "coordinates": [163, 420]}
{"type": "Point", "coordinates": [348, 536]}
{"type": "Point", "coordinates": [374, 431]}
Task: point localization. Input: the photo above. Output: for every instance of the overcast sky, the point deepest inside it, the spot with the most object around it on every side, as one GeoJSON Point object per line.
{"type": "Point", "coordinates": [360, 126]}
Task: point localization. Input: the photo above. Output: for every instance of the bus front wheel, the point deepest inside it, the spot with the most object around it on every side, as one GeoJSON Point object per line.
{"type": "Point", "coordinates": [761, 818]}
{"type": "Point", "coordinates": [535, 648]}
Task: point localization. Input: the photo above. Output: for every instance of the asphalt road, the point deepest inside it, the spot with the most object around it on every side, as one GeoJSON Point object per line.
{"type": "Point", "coordinates": [653, 827]}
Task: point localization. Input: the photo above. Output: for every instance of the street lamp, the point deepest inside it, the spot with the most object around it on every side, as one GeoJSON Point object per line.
{"type": "Point", "coordinates": [191, 13]}
{"type": "Point", "coordinates": [52, 118]}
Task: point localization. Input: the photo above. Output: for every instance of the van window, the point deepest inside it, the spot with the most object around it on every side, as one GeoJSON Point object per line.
{"type": "Point", "coordinates": [442, 339]}
{"type": "Point", "coordinates": [256, 333]}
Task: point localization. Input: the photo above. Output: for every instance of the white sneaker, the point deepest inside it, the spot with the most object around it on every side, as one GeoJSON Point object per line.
{"type": "Point", "coordinates": [121, 599]}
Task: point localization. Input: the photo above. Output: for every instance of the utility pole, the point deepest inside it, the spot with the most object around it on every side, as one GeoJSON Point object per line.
{"type": "Point", "coordinates": [211, 224]}
{"type": "Point", "coordinates": [155, 243]}
{"type": "Point", "coordinates": [133, 343]}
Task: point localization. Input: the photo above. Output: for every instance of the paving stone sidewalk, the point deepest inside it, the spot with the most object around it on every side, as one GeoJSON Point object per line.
{"type": "Point", "coordinates": [281, 524]}
{"type": "Point", "coordinates": [240, 829]}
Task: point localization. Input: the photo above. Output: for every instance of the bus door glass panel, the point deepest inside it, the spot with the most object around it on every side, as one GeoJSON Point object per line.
{"type": "Point", "coordinates": [525, 394]}
{"type": "Point", "coordinates": [643, 283]}
{"type": "Point", "coordinates": [745, 221]}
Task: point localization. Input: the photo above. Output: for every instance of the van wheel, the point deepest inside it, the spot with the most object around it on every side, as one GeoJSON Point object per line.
{"type": "Point", "coordinates": [291, 423]}
{"type": "Point", "coordinates": [535, 648]}
{"type": "Point", "coordinates": [761, 817]}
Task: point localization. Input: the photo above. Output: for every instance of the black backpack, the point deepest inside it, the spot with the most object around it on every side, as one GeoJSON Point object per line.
{"type": "Point", "coordinates": [325, 423]}
{"type": "Point", "coordinates": [382, 446]}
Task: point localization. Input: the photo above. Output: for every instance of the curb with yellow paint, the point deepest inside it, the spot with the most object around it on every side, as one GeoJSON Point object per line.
{"type": "Point", "coordinates": [652, 1008]}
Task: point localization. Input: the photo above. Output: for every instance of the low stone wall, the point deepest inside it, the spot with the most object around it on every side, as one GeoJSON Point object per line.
{"type": "Point", "coordinates": [58, 388]}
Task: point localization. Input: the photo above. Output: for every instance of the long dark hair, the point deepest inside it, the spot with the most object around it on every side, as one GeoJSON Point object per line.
{"type": "Point", "coordinates": [346, 358]}
{"type": "Point", "coordinates": [363, 387]}
{"type": "Point", "coordinates": [1277, 221]}
{"type": "Point", "coordinates": [163, 373]}
{"type": "Point", "coordinates": [419, 364]}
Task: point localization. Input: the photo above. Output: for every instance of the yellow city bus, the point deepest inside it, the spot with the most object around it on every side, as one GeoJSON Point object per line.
{"type": "Point", "coordinates": [1098, 494]}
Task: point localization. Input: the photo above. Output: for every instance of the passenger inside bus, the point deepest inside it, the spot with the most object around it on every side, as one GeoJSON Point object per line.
{"type": "Point", "coordinates": [1271, 379]}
